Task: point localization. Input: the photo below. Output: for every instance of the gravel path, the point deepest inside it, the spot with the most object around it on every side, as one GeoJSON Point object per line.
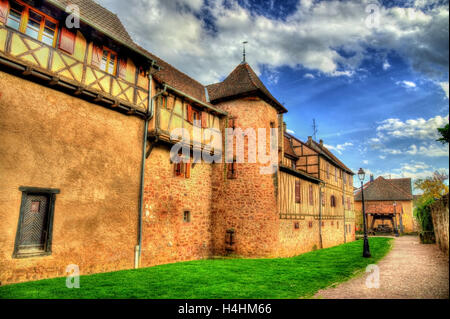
{"type": "Point", "coordinates": [410, 271]}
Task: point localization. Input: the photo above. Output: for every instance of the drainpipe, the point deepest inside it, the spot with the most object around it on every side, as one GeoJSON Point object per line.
{"type": "Point", "coordinates": [343, 207]}
{"type": "Point", "coordinates": [149, 115]}
{"type": "Point", "coordinates": [320, 215]}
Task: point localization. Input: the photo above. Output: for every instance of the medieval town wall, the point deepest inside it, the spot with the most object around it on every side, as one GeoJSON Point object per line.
{"type": "Point", "coordinates": [52, 140]}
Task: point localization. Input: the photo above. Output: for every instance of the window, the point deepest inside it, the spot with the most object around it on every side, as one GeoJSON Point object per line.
{"type": "Point", "coordinates": [187, 216]}
{"type": "Point", "coordinates": [293, 164]}
{"type": "Point", "coordinates": [297, 192]}
{"type": "Point", "coordinates": [311, 198]}
{"type": "Point", "coordinates": [182, 169]}
{"type": "Point", "coordinates": [34, 230]}
{"type": "Point", "coordinates": [310, 224]}
{"type": "Point", "coordinates": [335, 174]}
{"type": "Point", "coordinates": [323, 198]}
{"type": "Point", "coordinates": [109, 61]}
{"type": "Point", "coordinates": [297, 225]}
{"type": "Point", "coordinates": [345, 178]}
{"type": "Point", "coordinates": [348, 203]}
{"type": "Point", "coordinates": [33, 23]}
{"type": "Point", "coordinates": [333, 201]}
{"type": "Point", "coordinates": [232, 170]}
{"type": "Point", "coordinates": [328, 171]}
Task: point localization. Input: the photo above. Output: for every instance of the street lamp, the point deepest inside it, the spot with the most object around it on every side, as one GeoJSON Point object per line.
{"type": "Point", "coordinates": [395, 218]}
{"type": "Point", "coordinates": [366, 251]}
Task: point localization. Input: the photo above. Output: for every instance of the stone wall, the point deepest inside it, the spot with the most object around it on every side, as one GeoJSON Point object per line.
{"type": "Point", "coordinates": [52, 140]}
{"type": "Point", "coordinates": [439, 212]}
{"type": "Point", "coordinates": [166, 236]}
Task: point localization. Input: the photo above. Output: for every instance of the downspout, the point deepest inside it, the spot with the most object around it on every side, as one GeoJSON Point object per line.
{"type": "Point", "coordinates": [148, 117]}
{"type": "Point", "coordinates": [320, 215]}
{"type": "Point", "coordinates": [343, 207]}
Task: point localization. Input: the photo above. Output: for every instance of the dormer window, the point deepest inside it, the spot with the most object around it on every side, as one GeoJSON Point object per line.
{"type": "Point", "coordinates": [33, 23]}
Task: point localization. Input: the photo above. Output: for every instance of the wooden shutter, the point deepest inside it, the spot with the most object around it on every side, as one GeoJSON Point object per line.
{"type": "Point", "coordinates": [189, 113]}
{"type": "Point", "coordinates": [204, 119]}
{"type": "Point", "coordinates": [3, 10]}
{"type": "Point", "coordinates": [97, 54]}
{"type": "Point", "coordinates": [297, 192]}
{"type": "Point", "coordinates": [67, 41]}
{"type": "Point", "coordinates": [123, 67]}
{"type": "Point", "coordinates": [232, 172]}
{"type": "Point", "coordinates": [188, 170]}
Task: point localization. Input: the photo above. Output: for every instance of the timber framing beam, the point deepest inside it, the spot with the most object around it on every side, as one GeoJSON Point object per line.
{"type": "Point", "coordinates": [46, 79]}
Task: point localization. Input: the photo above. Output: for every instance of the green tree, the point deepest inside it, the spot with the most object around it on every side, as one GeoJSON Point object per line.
{"type": "Point", "coordinates": [444, 134]}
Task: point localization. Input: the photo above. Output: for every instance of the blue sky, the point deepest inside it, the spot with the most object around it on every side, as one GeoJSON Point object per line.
{"type": "Point", "coordinates": [374, 75]}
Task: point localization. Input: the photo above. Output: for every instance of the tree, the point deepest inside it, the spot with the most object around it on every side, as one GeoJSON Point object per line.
{"type": "Point", "coordinates": [432, 187]}
{"type": "Point", "coordinates": [444, 134]}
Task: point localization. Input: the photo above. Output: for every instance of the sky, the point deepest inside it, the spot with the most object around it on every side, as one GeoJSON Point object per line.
{"type": "Point", "coordinates": [373, 74]}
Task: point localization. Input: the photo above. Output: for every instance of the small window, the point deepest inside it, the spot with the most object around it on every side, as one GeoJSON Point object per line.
{"type": "Point", "coordinates": [311, 195]}
{"type": "Point", "coordinates": [310, 224]}
{"type": "Point", "coordinates": [328, 171]}
{"type": "Point", "coordinates": [298, 196]}
{"type": "Point", "coordinates": [333, 201]}
{"type": "Point", "coordinates": [323, 199]}
{"type": "Point", "coordinates": [297, 225]}
{"type": "Point", "coordinates": [34, 230]}
{"type": "Point", "coordinates": [335, 174]}
{"type": "Point", "coordinates": [15, 15]}
{"type": "Point", "coordinates": [109, 61]}
{"type": "Point", "coordinates": [323, 224]}
{"type": "Point", "coordinates": [232, 170]}
{"type": "Point", "coordinates": [187, 216]}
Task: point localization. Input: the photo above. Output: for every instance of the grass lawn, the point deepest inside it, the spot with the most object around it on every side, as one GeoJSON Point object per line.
{"type": "Point", "coordinates": [297, 277]}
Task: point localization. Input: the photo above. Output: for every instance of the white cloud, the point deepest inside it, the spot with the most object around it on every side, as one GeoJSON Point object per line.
{"type": "Point", "coordinates": [382, 157]}
{"type": "Point", "coordinates": [386, 65]}
{"type": "Point", "coordinates": [444, 86]}
{"type": "Point", "coordinates": [391, 151]}
{"type": "Point", "coordinates": [365, 162]}
{"type": "Point", "coordinates": [406, 84]}
{"type": "Point", "coordinates": [412, 170]}
{"type": "Point", "coordinates": [313, 36]}
{"type": "Point", "coordinates": [309, 76]}
{"type": "Point", "coordinates": [290, 131]}
{"type": "Point", "coordinates": [413, 128]}
{"type": "Point", "coordinates": [340, 147]}
{"type": "Point", "coordinates": [431, 150]}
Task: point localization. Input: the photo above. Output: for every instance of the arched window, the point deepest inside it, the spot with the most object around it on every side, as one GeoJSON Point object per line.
{"type": "Point", "coordinates": [333, 201]}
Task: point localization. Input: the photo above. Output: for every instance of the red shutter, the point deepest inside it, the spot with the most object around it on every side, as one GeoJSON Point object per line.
{"type": "Point", "coordinates": [97, 54]}
{"type": "Point", "coordinates": [123, 67]}
{"type": "Point", "coordinates": [3, 10]}
{"type": "Point", "coordinates": [204, 119]}
{"type": "Point", "coordinates": [189, 113]}
{"type": "Point", "coordinates": [67, 40]}
{"type": "Point", "coordinates": [297, 192]}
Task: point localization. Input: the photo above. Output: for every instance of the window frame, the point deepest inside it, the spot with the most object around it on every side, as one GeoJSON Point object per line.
{"type": "Point", "coordinates": [108, 60]}
{"type": "Point", "coordinates": [25, 17]}
{"type": "Point", "coordinates": [51, 193]}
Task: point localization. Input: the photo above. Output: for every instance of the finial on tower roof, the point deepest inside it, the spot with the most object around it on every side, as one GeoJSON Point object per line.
{"type": "Point", "coordinates": [243, 51]}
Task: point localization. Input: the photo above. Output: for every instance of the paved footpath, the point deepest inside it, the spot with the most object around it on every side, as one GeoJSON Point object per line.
{"type": "Point", "coordinates": [410, 271]}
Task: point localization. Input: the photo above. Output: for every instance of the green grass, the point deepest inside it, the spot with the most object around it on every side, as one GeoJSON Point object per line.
{"type": "Point", "coordinates": [297, 277]}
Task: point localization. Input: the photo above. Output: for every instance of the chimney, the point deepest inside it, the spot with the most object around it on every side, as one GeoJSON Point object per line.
{"type": "Point", "coordinates": [309, 139]}
{"type": "Point", "coordinates": [284, 127]}
{"type": "Point", "coordinates": [321, 142]}
{"type": "Point", "coordinates": [371, 178]}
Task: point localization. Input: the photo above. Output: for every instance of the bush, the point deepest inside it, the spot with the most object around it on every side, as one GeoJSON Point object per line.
{"type": "Point", "coordinates": [423, 215]}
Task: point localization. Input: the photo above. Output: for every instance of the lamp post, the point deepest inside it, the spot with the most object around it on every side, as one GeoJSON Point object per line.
{"type": "Point", "coordinates": [395, 217]}
{"type": "Point", "coordinates": [366, 251]}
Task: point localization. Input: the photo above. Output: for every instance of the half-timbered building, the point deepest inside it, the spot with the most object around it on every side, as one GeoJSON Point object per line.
{"type": "Point", "coordinates": [86, 173]}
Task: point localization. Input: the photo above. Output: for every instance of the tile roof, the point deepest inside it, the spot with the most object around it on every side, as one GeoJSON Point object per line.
{"type": "Point", "coordinates": [325, 152]}
{"type": "Point", "coordinates": [241, 82]}
{"type": "Point", "coordinates": [288, 147]}
{"type": "Point", "coordinates": [386, 189]}
{"type": "Point", "coordinates": [383, 209]}
{"type": "Point", "coordinates": [102, 20]}
{"type": "Point", "coordinates": [177, 79]}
